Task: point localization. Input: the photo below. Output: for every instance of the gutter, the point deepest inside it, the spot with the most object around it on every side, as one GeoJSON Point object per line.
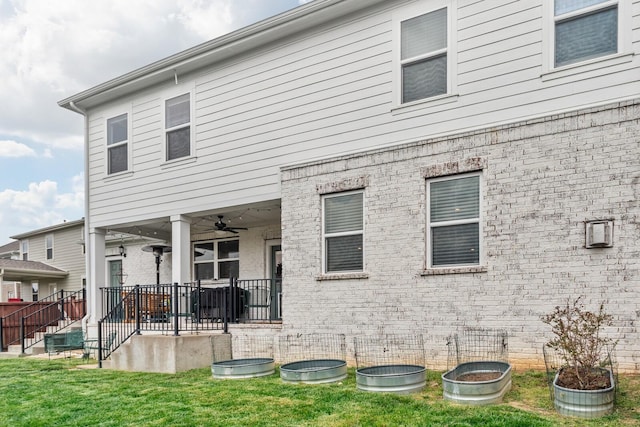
{"type": "Point", "coordinates": [87, 246]}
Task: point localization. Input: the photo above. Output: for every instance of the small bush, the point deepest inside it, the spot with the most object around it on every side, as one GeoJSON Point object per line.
{"type": "Point", "coordinates": [579, 342]}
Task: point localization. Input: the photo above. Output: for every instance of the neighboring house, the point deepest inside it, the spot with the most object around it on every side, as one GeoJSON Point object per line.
{"type": "Point", "coordinates": [50, 259]}
{"type": "Point", "coordinates": [420, 166]}
{"type": "Point", "coordinates": [9, 289]}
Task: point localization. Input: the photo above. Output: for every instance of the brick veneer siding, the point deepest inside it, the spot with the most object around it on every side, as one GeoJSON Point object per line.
{"type": "Point", "coordinates": [541, 180]}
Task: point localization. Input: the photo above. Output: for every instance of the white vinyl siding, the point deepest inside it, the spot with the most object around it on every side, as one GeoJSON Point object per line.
{"type": "Point", "coordinates": [117, 144]}
{"type": "Point", "coordinates": [454, 221]}
{"type": "Point", "coordinates": [423, 45]}
{"type": "Point", "coordinates": [584, 29]}
{"type": "Point", "coordinates": [343, 229]}
{"type": "Point", "coordinates": [177, 127]}
{"type": "Point", "coordinates": [219, 259]}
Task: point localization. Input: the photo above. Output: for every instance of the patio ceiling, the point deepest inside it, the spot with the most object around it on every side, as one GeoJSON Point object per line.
{"type": "Point", "coordinates": [248, 216]}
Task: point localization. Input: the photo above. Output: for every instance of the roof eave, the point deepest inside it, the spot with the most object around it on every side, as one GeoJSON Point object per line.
{"type": "Point", "coordinates": [216, 50]}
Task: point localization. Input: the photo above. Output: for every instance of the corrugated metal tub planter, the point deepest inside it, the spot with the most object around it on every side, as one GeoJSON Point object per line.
{"type": "Point", "coordinates": [314, 371]}
{"type": "Point", "coordinates": [477, 383]}
{"type": "Point", "coordinates": [399, 379]}
{"type": "Point", "coordinates": [243, 368]}
{"type": "Point", "coordinates": [584, 403]}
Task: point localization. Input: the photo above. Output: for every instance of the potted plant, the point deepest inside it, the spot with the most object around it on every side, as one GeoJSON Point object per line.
{"type": "Point", "coordinates": [583, 384]}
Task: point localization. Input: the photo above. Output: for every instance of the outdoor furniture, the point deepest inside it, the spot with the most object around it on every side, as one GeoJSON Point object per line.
{"type": "Point", "coordinates": [154, 307]}
{"type": "Point", "coordinates": [64, 341]}
{"type": "Point", "coordinates": [92, 345]}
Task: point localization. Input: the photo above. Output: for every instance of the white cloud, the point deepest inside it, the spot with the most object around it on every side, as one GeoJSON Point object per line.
{"type": "Point", "coordinates": [15, 149]}
{"type": "Point", "coordinates": [39, 206]}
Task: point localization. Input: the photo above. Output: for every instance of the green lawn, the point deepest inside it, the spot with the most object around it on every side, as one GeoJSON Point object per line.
{"type": "Point", "coordinates": [40, 392]}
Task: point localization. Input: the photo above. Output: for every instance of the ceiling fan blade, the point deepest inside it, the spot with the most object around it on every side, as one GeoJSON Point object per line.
{"type": "Point", "coordinates": [230, 230]}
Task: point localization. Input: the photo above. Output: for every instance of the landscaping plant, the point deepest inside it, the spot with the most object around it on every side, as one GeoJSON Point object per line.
{"type": "Point", "coordinates": [581, 345]}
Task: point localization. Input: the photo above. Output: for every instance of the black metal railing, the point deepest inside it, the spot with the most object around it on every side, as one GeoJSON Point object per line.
{"type": "Point", "coordinates": [51, 314]}
{"type": "Point", "coordinates": [191, 307]}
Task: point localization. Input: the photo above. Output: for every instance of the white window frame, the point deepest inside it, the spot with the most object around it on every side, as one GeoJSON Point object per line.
{"type": "Point", "coordinates": [24, 250]}
{"type": "Point", "coordinates": [477, 220]}
{"type": "Point", "coordinates": [126, 142]}
{"type": "Point", "coordinates": [417, 9]}
{"type": "Point", "coordinates": [624, 53]}
{"type": "Point", "coordinates": [48, 245]}
{"type": "Point", "coordinates": [326, 236]}
{"type": "Point", "coordinates": [191, 124]}
{"type": "Point", "coordinates": [216, 259]}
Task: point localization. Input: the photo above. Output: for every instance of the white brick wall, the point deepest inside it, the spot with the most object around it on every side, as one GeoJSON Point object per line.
{"type": "Point", "coordinates": [541, 180]}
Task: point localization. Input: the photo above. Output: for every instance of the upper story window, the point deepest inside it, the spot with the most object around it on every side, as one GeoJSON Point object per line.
{"type": "Point", "coordinates": [178, 127]}
{"type": "Point", "coordinates": [49, 245]}
{"type": "Point", "coordinates": [584, 29]}
{"type": "Point", "coordinates": [24, 248]}
{"type": "Point", "coordinates": [453, 220]}
{"type": "Point", "coordinates": [117, 144]}
{"type": "Point", "coordinates": [218, 259]}
{"type": "Point", "coordinates": [423, 56]}
{"type": "Point", "coordinates": [343, 232]}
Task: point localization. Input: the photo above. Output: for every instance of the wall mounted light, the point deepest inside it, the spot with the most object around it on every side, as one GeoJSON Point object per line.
{"type": "Point", "coordinates": [123, 252]}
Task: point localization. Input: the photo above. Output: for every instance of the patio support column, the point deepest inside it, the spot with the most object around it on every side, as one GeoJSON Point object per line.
{"type": "Point", "coordinates": [180, 249]}
{"type": "Point", "coordinates": [97, 274]}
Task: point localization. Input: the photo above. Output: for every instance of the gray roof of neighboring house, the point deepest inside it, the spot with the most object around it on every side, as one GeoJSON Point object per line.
{"type": "Point", "coordinates": [61, 226]}
{"type": "Point", "coordinates": [19, 270]}
{"type": "Point", "coordinates": [10, 247]}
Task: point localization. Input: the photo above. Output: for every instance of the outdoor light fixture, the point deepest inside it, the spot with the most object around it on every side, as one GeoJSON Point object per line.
{"type": "Point", "coordinates": [123, 252]}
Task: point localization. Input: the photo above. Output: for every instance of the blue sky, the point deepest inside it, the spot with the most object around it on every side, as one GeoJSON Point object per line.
{"type": "Point", "coordinates": [55, 49]}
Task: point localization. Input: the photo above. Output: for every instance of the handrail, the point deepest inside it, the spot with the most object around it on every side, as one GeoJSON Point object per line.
{"type": "Point", "coordinates": [59, 313]}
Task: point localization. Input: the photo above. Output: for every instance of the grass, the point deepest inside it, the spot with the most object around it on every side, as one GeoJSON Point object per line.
{"type": "Point", "coordinates": [37, 392]}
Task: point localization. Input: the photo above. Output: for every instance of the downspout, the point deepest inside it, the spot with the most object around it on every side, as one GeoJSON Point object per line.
{"type": "Point", "coordinates": [87, 246]}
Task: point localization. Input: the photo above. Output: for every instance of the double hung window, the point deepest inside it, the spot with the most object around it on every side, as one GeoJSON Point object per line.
{"type": "Point", "coordinates": [424, 56]}
{"type": "Point", "coordinates": [218, 259]}
{"type": "Point", "coordinates": [584, 29]}
{"type": "Point", "coordinates": [178, 127]}
{"type": "Point", "coordinates": [117, 144]}
{"type": "Point", "coordinates": [453, 219]}
{"type": "Point", "coordinates": [25, 250]}
{"type": "Point", "coordinates": [49, 245]}
{"type": "Point", "coordinates": [343, 232]}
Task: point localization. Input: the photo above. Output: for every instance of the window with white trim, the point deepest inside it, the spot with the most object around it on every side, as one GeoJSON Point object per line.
{"type": "Point", "coordinates": [49, 245]}
{"type": "Point", "coordinates": [218, 259]}
{"type": "Point", "coordinates": [178, 127]}
{"type": "Point", "coordinates": [343, 232]}
{"type": "Point", "coordinates": [424, 49]}
{"type": "Point", "coordinates": [118, 144]}
{"type": "Point", "coordinates": [453, 219]}
{"type": "Point", "coordinates": [24, 248]}
{"type": "Point", "coordinates": [584, 29]}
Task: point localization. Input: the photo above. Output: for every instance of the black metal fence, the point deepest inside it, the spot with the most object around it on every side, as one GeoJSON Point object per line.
{"type": "Point", "coordinates": [27, 325]}
{"type": "Point", "coordinates": [191, 307]}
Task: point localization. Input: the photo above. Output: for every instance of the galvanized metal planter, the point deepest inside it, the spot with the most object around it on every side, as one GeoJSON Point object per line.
{"type": "Point", "coordinates": [314, 371]}
{"type": "Point", "coordinates": [477, 392]}
{"type": "Point", "coordinates": [399, 379]}
{"type": "Point", "coordinates": [243, 368]}
{"type": "Point", "coordinates": [584, 403]}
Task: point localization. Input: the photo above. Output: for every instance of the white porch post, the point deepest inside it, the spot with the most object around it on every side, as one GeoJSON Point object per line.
{"type": "Point", "coordinates": [180, 249]}
{"type": "Point", "coordinates": [97, 274]}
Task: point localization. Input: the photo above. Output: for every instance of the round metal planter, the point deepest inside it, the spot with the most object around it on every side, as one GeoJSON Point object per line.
{"type": "Point", "coordinates": [399, 379]}
{"type": "Point", "coordinates": [477, 392]}
{"type": "Point", "coordinates": [584, 403]}
{"type": "Point", "coordinates": [314, 371]}
{"type": "Point", "coordinates": [243, 368]}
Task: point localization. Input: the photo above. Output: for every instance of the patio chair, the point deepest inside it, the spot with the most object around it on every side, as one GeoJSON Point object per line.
{"type": "Point", "coordinates": [92, 345]}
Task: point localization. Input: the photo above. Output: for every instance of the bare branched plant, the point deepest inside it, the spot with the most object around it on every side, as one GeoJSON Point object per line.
{"type": "Point", "coordinates": [579, 340]}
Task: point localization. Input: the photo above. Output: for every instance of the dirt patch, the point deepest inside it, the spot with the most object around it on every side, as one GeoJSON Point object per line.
{"type": "Point", "coordinates": [584, 379]}
{"type": "Point", "coordinates": [478, 376]}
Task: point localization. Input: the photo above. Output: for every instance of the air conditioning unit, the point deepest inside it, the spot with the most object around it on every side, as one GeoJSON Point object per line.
{"type": "Point", "coordinates": [599, 234]}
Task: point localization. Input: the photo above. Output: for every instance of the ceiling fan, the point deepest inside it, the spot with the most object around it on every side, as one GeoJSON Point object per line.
{"type": "Point", "coordinates": [222, 226]}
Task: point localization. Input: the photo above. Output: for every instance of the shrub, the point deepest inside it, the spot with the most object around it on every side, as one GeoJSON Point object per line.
{"type": "Point", "coordinates": [580, 343]}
